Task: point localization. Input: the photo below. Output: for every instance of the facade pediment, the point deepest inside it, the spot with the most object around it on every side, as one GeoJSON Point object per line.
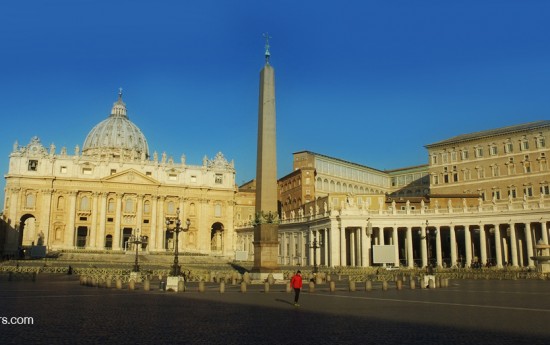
{"type": "Point", "coordinates": [130, 176]}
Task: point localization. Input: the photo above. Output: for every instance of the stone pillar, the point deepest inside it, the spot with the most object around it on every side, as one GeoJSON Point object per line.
{"type": "Point", "coordinates": [513, 244]}
{"type": "Point", "coordinates": [139, 216]}
{"type": "Point", "coordinates": [70, 235]}
{"type": "Point", "coordinates": [381, 238]}
{"type": "Point", "coordinates": [325, 247]}
{"type": "Point", "coordinates": [468, 243]}
{"type": "Point", "coordinates": [352, 247]}
{"type": "Point", "coordinates": [343, 252]}
{"type": "Point", "coordinates": [102, 220]}
{"type": "Point", "coordinates": [152, 246]}
{"type": "Point", "coordinates": [498, 247]}
{"type": "Point", "coordinates": [483, 244]}
{"type": "Point", "coordinates": [424, 246]}
{"type": "Point", "coordinates": [395, 239]}
{"type": "Point", "coordinates": [529, 244]}
{"type": "Point", "coordinates": [161, 238]}
{"type": "Point", "coordinates": [118, 218]}
{"type": "Point", "coordinates": [544, 231]}
{"type": "Point", "coordinates": [438, 251]}
{"type": "Point", "coordinates": [93, 229]}
{"type": "Point", "coordinates": [364, 248]}
{"type": "Point", "coordinates": [334, 231]}
{"type": "Point", "coordinates": [452, 232]}
{"type": "Point", "coordinates": [410, 252]}
{"type": "Point", "coordinates": [46, 214]}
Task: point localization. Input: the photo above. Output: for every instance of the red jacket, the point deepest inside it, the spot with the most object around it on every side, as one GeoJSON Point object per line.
{"type": "Point", "coordinates": [296, 281]}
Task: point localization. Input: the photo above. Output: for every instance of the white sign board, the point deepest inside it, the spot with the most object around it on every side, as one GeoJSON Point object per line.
{"type": "Point", "coordinates": [383, 254]}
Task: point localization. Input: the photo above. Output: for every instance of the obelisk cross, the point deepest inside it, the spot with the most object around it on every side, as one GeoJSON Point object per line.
{"type": "Point", "coordinates": [267, 53]}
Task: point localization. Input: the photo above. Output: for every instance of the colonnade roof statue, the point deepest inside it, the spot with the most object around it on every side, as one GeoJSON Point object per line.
{"type": "Point", "coordinates": [116, 136]}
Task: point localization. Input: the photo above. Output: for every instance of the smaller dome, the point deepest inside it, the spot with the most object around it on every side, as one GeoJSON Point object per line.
{"type": "Point", "coordinates": [116, 136]}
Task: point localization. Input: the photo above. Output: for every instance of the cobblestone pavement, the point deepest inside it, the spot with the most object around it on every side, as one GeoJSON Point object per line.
{"type": "Point", "coordinates": [467, 312]}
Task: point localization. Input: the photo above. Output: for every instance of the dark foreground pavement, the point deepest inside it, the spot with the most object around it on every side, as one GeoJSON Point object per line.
{"type": "Point", "coordinates": [468, 312]}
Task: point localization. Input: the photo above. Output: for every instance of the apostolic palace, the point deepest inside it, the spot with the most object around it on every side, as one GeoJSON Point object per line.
{"type": "Point", "coordinates": [482, 199]}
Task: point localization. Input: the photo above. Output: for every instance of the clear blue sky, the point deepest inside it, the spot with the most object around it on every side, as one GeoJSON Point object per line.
{"type": "Point", "coordinates": [370, 82]}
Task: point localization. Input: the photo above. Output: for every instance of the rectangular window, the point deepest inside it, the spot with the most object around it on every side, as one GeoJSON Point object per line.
{"type": "Point", "coordinates": [63, 169]}
{"type": "Point", "coordinates": [33, 165]}
{"type": "Point", "coordinates": [453, 156]}
{"type": "Point", "coordinates": [512, 193]}
{"type": "Point", "coordinates": [146, 221]}
{"type": "Point", "coordinates": [464, 154]}
{"type": "Point", "coordinates": [528, 191]}
{"type": "Point", "coordinates": [110, 220]}
{"type": "Point", "coordinates": [83, 218]}
{"type": "Point", "coordinates": [455, 177]}
{"type": "Point", "coordinates": [545, 190]}
{"type": "Point", "coordinates": [86, 171]}
{"type": "Point", "coordinates": [193, 179]}
{"type": "Point", "coordinates": [509, 148]}
{"type": "Point", "coordinates": [172, 177]}
{"type": "Point", "coordinates": [541, 143]}
{"type": "Point", "coordinates": [148, 173]}
{"type": "Point", "coordinates": [493, 150]}
{"type": "Point", "coordinates": [113, 171]}
{"type": "Point", "coordinates": [436, 179]}
{"type": "Point", "coordinates": [445, 158]}
{"type": "Point", "coordinates": [434, 159]}
{"type": "Point", "coordinates": [496, 194]}
{"type": "Point", "coordinates": [525, 145]}
{"type": "Point", "coordinates": [479, 152]}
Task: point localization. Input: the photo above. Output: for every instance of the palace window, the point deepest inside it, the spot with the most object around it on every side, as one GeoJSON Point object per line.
{"type": "Point", "coordinates": [496, 170]}
{"type": "Point", "coordinates": [434, 159]}
{"type": "Point", "coordinates": [524, 145]}
{"type": "Point", "coordinates": [193, 178]}
{"type": "Point", "coordinates": [496, 194]}
{"type": "Point", "coordinates": [512, 193]}
{"type": "Point", "coordinates": [545, 189]}
{"type": "Point", "coordinates": [464, 154]}
{"type": "Point", "coordinates": [493, 150]}
{"type": "Point", "coordinates": [453, 156]}
{"type": "Point", "coordinates": [528, 191]}
{"type": "Point", "coordinates": [172, 177]}
{"type": "Point", "coordinates": [445, 158]}
{"type": "Point", "coordinates": [508, 147]}
{"type": "Point", "coordinates": [86, 171]}
{"type": "Point", "coordinates": [63, 169]}
{"type": "Point", "coordinates": [541, 143]}
{"type": "Point", "coordinates": [479, 152]}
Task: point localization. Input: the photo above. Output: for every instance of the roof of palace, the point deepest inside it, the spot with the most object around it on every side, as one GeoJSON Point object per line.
{"type": "Point", "coordinates": [492, 132]}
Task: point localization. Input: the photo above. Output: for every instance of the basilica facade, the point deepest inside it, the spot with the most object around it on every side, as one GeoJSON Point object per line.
{"type": "Point", "coordinates": [97, 197]}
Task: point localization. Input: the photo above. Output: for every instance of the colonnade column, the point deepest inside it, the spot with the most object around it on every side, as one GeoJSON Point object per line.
{"type": "Point", "coordinates": [529, 244]}
{"type": "Point", "coordinates": [334, 240]}
{"type": "Point", "coordinates": [343, 253]}
{"type": "Point", "coordinates": [395, 237]}
{"type": "Point", "coordinates": [93, 228]}
{"type": "Point", "coordinates": [325, 247]}
{"type": "Point", "coordinates": [498, 247]}
{"type": "Point", "coordinates": [452, 232]}
{"type": "Point", "coordinates": [410, 253]}
{"type": "Point", "coordinates": [438, 254]}
{"type": "Point", "coordinates": [152, 245]}
{"type": "Point", "coordinates": [544, 230]}
{"type": "Point", "coordinates": [468, 240]}
{"type": "Point", "coordinates": [424, 246]}
{"type": "Point", "coordinates": [483, 244]}
{"type": "Point", "coordinates": [513, 245]}
{"type": "Point", "coordinates": [352, 247]}
{"type": "Point", "coordinates": [364, 248]}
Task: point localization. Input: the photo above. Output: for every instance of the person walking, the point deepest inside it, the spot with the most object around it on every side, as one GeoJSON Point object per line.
{"type": "Point", "coordinates": [296, 284]}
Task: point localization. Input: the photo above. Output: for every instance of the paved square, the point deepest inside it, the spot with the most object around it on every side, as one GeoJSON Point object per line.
{"type": "Point", "coordinates": [468, 312]}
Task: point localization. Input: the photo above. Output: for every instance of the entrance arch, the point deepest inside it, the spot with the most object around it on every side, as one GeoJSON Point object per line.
{"type": "Point", "coordinates": [28, 233]}
{"type": "Point", "coordinates": [216, 237]}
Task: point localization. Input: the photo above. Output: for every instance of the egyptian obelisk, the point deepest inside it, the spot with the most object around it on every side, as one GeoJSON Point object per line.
{"type": "Point", "coordinates": [266, 243]}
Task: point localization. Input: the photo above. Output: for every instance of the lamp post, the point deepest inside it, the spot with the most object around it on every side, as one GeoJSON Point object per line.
{"type": "Point", "coordinates": [175, 267]}
{"type": "Point", "coordinates": [315, 245]}
{"type": "Point", "coordinates": [136, 240]}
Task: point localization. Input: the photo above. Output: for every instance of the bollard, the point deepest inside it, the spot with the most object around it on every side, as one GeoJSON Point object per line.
{"type": "Point", "coordinates": [222, 287]}
{"type": "Point", "coordinates": [118, 283]}
{"type": "Point", "coordinates": [181, 286]}
{"type": "Point", "coordinates": [131, 284]}
{"type": "Point", "coordinates": [399, 284]}
{"type": "Point", "coordinates": [288, 288]}
{"type": "Point", "coordinates": [412, 284]}
{"type": "Point", "coordinates": [368, 285]}
{"type": "Point", "coordinates": [162, 285]}
{"type": "Point", "coordinates": [332, 286]}
{"type": "Point", "coordinates": [201, 286]}
{"type": "Point", "coordinates": [437, 281]}
{"type": "Point", "coordinates": [146, 284]}
{"type": "Point", "coordinates": [243, 287]}
{"type": "Point", "coordinates": [270, 279]}
{"type": "Point", "coordinates": [351, 286]}
{"type": "Point", "coordinates": [266, 287]}
{"type": "Point", "coordinates": [385, 285]}
{"type": "Point", "coordinates": [311, 286]}
{"type": "Point", "coordinates": [328, 278]}
{"type": "Point", "coordinates": [109, 283]}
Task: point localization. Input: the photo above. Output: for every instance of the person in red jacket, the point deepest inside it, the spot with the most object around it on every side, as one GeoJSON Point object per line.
{"type": "Point", "coordinates": [296, 284]}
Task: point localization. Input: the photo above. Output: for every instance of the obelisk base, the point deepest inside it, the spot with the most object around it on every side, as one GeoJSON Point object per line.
{"type": "Point", "coordinates": [266, 252]}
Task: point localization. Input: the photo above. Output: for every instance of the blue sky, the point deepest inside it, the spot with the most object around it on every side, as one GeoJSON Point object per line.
{"type": "Point", "coordinates": [370, 82]}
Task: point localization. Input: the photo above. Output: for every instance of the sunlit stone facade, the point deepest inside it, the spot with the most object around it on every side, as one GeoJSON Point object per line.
{"type": "Point", "coordinates": [96, 198]}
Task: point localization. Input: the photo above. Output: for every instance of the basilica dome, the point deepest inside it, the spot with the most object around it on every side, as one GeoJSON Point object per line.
{"type": "Point", "coordinates": [116, 136]}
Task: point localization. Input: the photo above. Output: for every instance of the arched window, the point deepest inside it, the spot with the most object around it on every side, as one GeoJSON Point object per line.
{"type": "Point", "coordinates": [60, 203]}
{"type": "Point", "coordinates": [146, 207]}
{"type": "Point", "coordinates": [30, 201]}
{"type": "Point", "coordinates": [129, 207]}
{"type": "Point", "coordinates": [111, 205]}
{"type": "Point", "coordinates": [84, 204]}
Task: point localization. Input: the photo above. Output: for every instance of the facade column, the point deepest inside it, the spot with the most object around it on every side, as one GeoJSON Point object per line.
{"type": "Point", "coordinates": [483, 244]}
{"type": "Point", "coordinates": [45, 217]}
{"type": "Point", "coordinates": [152, 245]}
{"type": "Point", "coordinates": [513, 244]}
{"type": "Point", "coordinates": [139, 217]}
{"type": "Point", "coordinates": [438, 251]}
{"type": "Point", "coordinates": [498, 247]}
{"type": "Point", "coordinates": [161, 239]}
{"type": "Point", "coordinates": [381, 238]}
{"type": "Point", "coordinates": [424, 246]}
{"type": "Point", "coordinates": [395, 238]}
{"type": "Point", "coordinates": [93, 229]}
{"type": "Point", "coordinates": [529, 244]}
{"type": "Point", "coordinates": [452, 232]}
{"type": "Point", "coordinates": [70, 236]}
{"type": "Point", "coordinates": [102, 220]}
{"type": "Point", "coordinates": [181, 240]}
{"type": "Point", "coordinates": [410, 253]}
{"type": "Point", "coordinates": [118, 218]}
{"type": "Point", "coordinates": [468, 241]}
{"type": "Point", "coordinates": [325, 246]}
